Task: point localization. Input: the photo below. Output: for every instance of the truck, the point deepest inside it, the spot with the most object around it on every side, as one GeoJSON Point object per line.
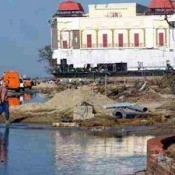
{"type": "Point", "coordinates": [16, 82]}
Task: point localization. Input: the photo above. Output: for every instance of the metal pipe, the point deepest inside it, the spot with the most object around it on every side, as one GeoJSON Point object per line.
{"type": "Point", "coordinates": [121, 113]}
{"type": "Point", "coordinates": [128, 106]}
{"type": "Point", "coordinates": [138, 108]}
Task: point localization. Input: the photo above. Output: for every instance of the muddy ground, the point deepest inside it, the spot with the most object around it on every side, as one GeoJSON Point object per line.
{"type": "Point", "coordinates": [155, 93]}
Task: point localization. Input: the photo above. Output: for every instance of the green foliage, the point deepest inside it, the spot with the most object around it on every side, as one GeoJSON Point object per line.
{"type": "Point", "coordinates": [45, 55]}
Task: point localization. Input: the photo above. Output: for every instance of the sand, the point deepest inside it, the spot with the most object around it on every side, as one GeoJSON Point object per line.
{"type": "Point", "coordinates": [70, 98]}
{"type": "Point", "coordinates": [66, 100]}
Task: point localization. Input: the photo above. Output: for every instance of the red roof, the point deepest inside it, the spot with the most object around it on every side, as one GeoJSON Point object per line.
{"type": "Point", "coordinates": [173, 4]}
{"type": "Point", "coordinates": [70, 6]}
{"type": "Point", "coordinates": [161, 4]}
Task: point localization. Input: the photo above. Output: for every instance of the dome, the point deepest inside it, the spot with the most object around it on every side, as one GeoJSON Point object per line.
{"type": "Point", "coordinates": [160, 4]}
{"type": "Point", "coordinates": [70, 6]}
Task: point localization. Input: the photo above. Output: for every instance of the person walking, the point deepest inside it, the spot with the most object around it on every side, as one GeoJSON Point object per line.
{"type": "Point", "coordinates": [4, 105]}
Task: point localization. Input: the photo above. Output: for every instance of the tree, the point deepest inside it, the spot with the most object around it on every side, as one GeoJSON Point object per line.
{"type": "Point", "coordinates": [45, 54]}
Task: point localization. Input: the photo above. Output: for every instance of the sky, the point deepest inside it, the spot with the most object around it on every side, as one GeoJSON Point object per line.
{"type": "Point", "coordinates": [24, 29]}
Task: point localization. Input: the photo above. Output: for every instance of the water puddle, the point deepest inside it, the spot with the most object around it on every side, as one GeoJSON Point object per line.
{"type": "Point", "coordinates": [16, 100]}
{"type": "Point", "coordinates": [26, 149]}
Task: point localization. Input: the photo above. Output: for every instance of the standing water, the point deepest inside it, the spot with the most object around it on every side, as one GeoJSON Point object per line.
{"type": "Point", "coordinates": [17, 100]}
{"type": "Point", "coordinates": [35, 150]}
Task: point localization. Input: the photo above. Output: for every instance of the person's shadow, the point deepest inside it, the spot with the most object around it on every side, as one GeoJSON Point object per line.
{"type": "Point", "coordinates": [4, 137]}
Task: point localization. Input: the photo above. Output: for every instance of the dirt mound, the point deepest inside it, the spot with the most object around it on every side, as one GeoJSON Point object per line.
{"type": "Point", "coordinates": [70, 98]}
{"type": "Point", "coordinates": [67, 100]}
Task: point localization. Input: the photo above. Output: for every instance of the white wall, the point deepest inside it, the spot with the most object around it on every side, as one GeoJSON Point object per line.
{"type": "Point", "coordinates": [151, 58]}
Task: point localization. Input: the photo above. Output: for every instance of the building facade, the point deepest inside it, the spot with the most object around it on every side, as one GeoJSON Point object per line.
{"type": "Point", "coordinates": [121, 36]}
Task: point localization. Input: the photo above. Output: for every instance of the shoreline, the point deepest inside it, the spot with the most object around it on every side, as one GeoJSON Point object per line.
{"type": "Point", "coordinates": [121, 130]}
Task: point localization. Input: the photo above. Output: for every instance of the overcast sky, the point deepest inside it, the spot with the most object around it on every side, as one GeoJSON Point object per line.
{"type": "Point", "coordinates": [24, 29]}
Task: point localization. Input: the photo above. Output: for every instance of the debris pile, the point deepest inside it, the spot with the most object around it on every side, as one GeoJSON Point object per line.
{"type": "Point", "coordinates": [147, 96]}
{"type": "Point", "coordinates": [141, 92]}
{"type": "Point", "coordinates": [169, 81]}
{"type": "Point", "coordinates": [165, 85]}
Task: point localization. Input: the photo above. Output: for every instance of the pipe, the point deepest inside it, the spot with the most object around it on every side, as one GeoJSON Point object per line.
{"type": "Point", "coordinates": [138, 108]}
{"type": "Point", "coordinates": [121, 113]}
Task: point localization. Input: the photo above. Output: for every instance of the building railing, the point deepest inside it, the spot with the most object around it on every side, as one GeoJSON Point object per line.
{"type": "Point", "coordinates": [124, 45]}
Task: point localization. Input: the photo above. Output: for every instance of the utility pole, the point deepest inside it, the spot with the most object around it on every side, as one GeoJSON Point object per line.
{"type": "Point", "coordinates": [105, 84]}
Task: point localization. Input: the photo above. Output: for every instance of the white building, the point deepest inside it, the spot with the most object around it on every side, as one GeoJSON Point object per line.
{"type": "Point", "coordinates": [121, 36]}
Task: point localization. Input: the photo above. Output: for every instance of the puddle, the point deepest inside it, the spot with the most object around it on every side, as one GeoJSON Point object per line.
{"type": "Point", "coordinates": [26, 149]}
{"type": "Point", "coordinates": [17, 100]}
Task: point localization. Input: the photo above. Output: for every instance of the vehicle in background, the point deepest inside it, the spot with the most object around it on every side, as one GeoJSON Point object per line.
{"type": "Point", "coordinates": [15, 80]}
{"type": "Point", "coordinates": [28, 83]}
